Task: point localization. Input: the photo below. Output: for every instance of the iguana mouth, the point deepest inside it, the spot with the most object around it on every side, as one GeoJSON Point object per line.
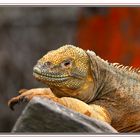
{"type": "Point", "coordinates": [51, 77]}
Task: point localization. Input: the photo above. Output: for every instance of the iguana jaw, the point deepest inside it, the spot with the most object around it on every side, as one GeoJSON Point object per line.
{"type": "Point", "coordinates": [50, 77]}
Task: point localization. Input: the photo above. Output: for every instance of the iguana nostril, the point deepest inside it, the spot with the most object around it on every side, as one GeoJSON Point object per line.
{"type": "Point", "coordinates": [37, 70]}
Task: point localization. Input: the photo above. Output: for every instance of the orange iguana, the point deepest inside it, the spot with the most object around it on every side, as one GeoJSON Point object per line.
{"type": "Point", "coordinates": [82, 81]}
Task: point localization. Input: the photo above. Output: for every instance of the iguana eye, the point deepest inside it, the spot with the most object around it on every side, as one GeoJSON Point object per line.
{"type": "Point", "coordinates": [66, 63]}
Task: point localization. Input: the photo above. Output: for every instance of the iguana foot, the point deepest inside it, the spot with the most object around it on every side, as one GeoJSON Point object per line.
{"type": "Point", "coordinates": [27, 95]}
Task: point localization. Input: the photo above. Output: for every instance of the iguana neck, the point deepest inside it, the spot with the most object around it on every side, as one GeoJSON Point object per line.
{"type": "Point", "coordinates": [103, 76]}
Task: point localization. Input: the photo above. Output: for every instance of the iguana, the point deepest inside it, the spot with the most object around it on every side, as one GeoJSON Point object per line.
{"type": "Point", "coordinates": [82, 81]}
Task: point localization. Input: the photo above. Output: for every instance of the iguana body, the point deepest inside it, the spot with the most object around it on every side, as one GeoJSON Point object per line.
{"type": "Point", "coordinates": [84, 82]}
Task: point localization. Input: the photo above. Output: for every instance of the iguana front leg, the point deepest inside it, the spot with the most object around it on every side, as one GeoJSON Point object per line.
{"type": "Point", "coordinates": [93, 111]}
{"type": "Point", "coordinates": [27, 95]}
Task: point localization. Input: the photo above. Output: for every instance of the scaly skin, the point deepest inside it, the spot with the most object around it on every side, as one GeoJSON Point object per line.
{"type": "Point", "coordinates": [82, 81]}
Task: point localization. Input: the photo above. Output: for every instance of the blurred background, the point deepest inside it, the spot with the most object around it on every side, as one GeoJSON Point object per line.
{"type": "Point", "coordinates": [27, 33]}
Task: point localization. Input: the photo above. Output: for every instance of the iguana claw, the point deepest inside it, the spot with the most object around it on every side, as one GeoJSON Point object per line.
{"type": "Point", "coordinates": [17, 100]}
{"type": "Point", "coordinates": [11, 103]}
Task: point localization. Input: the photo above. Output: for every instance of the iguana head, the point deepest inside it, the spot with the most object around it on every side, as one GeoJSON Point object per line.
{"type": "Point", "coordinates": [66, 67]}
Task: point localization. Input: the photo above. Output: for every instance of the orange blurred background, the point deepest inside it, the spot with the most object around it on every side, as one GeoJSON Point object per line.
{"type": "Point", "coordinates": [113, 33]}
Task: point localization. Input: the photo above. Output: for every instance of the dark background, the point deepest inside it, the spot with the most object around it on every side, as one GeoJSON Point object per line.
{"type": "Point", "coordinates": [27, 33]}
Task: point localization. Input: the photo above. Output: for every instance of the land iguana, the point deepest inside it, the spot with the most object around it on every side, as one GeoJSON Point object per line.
{"type": "Point", "coordinates": [82, 81]}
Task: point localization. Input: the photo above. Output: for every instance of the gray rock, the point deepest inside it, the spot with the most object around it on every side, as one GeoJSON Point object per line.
{"type": "Point", "coordinates": [43, 115]}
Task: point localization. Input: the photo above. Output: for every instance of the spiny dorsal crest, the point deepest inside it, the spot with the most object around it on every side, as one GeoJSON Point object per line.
{"type": "Point", "coordinates": [126, 68]}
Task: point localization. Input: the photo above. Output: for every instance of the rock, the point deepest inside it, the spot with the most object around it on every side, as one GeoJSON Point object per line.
{"type": "Point", "coordinates": [43, 115]}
